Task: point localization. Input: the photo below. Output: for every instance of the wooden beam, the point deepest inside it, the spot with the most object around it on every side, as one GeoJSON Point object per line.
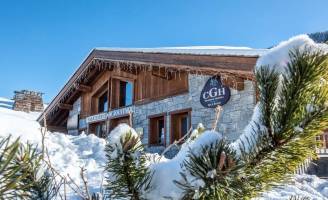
{"type": "Point", "coordinates": [65, 106]}
{"type": "Point", "coordinates": [58, 117]}
{"type": "Point", "coordinates": [234, 82]}
{"type": "Point", "coordinates": [233, 63]}
{"type": "Point", "coordinates": [57, 129]}
{"type": "Point", "coordinates": [84, 88]}
{"type": "Point", "coordinates": [63, 123]}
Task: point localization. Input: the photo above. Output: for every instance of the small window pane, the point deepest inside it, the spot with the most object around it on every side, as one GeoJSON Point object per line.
{"type": "Point", "coordinates": [103, 103]}
{"type": "Point", "coordinates": [128, 94]}
{"type": "Point", "coordinates": [184, 125]}
{"type": "Point", "coordinates": [160, 131]}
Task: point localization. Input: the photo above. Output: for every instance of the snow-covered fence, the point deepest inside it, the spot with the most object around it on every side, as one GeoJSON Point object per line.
{"type": "Point", "coordinates": [303, 168]}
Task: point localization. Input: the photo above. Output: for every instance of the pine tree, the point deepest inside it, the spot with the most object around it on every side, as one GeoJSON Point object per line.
{"type": "Point", "coordinates": [294, 111]}
{"type": "Point", "coordinates": [22, 175]}
{"type": "Point", "coordinates": [128, 176]}
{"type": "Point", "coordinates": [9, 172]}
{"type": "Point", "coordinates": [218, 167]}
{"type": "Point", "coordinates": [39, 183]}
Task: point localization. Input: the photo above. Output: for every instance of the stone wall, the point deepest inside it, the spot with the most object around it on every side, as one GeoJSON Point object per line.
{"type": "Point", "coordinates": [28, 101]}
{"type": "Point", "coordinates": [235, 116]}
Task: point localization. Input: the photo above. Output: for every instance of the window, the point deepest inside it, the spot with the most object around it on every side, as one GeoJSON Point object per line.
{"type": "Point", "coordinates": [103, 103]}
{"type": "Point", "coordinates": [184, 125]}
{"type": "Point", "coordinates": [157, 130]}
{"type": "Point", "coordinates": [126, 93]}
{"type": "Point", "coordinates": [100, 99]}
{"type": "Point", "coordinates": [122, 93]}
{"type": "Point", "coordinates": [115, 122]}
{"type": "Point", "coordinates": [101, 129]}
{"type": "Point", "coordinates": [180, 124]}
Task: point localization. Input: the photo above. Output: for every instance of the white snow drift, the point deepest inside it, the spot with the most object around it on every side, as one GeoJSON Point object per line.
{"type": "Point", "coordinates": [67, 153]}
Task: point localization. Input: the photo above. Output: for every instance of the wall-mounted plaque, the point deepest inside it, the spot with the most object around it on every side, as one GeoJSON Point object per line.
{"type": "Point", "coordinates": [214, 93]}
{"type": "Point", "coordinates": [120, 112]}
{"type": "Point", "coordinates": [97, 118]}
{"type": "Point", "coordinates": [110, 115]}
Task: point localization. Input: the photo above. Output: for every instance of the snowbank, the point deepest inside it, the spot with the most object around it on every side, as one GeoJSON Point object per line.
{"type": "Point", "coordinates": [114, 138]}
{"type": "Point", "coordinates": [302, 185]}
{"type": "Point", "coordinates": [67, 153]}
{"type": "Point", "coordinates": [168, 170]}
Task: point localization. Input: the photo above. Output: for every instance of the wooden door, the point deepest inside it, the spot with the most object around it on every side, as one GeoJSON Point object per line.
{"type": "Point", "coordinates": [157, 130]}
{"type": "Point", "coordinates": [117, 121]}
{"type": "Point", "coordinates": [180, 125]}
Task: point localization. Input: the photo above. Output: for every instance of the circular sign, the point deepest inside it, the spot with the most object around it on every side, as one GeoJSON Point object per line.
{"type": "Point", "coordinates": [214, 93]}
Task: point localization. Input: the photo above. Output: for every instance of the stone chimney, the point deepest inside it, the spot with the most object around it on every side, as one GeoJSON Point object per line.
{"type": "Point", "coordinates": [28, 101]}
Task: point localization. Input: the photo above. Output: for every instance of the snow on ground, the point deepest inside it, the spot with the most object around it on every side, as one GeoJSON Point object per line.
{"type": "Point", "coordinates": [302, 185]}
{"type": "Point", "coordinates": [67, 153]}
{"type": "Point", "coordinates": [168, 170]}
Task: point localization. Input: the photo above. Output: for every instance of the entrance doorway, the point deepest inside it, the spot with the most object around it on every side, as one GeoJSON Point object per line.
{"type": "Point", "coordinates": [180, 124]}
{"type": "Point", "coordinates": [115, 122]}
{"type": "Point", "coordinates": [157, 130]}
{"type": "Point", "coordinates": [99, 129]}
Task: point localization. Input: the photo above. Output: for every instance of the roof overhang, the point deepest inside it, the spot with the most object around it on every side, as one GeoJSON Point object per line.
{"type": "Point", "coordinates": [195, 63]}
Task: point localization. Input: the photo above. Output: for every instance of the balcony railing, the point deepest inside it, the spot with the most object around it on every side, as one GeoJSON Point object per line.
{"type": "Point", "coordinates": [322, 152]}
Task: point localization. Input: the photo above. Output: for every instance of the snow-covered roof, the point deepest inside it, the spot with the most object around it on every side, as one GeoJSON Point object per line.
{"type": "Point", "coordinates": [197, 50]}
{"type": "Point", "coordinates": [6, 103]}
{"type": "Point", "coordinates": [3, 99]}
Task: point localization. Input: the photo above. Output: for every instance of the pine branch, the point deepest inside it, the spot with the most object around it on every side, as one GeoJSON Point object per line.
{"type": "Point", "coordinates": [218, 168]}
{"type": "Point", "coordinates": [300, 87]}
{"type": "Point", "coordinates": [128, 176]}
{"type": "Point", "coordinates": [293, 112]}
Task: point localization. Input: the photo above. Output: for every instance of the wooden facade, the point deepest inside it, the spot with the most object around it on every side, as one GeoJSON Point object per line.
{"type": "Point", "coordinates": [102, 77]}
{"type": "Point", "coordinates": [146, 87]}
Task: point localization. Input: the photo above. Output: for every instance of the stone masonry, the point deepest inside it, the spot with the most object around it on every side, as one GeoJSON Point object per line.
{"type": "Point", "coordinates": [235, 115]}
{"type": "Point", "coordinates": [28, 101]}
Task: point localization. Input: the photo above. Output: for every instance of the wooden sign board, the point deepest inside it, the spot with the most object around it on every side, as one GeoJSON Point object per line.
{"type": "Point", "coordinates": [110, 115]}
{"type": "Point", "coordinates": [214, 93]}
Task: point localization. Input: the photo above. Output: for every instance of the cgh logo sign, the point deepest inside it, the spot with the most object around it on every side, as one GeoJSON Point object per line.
{"type": "Point", "coordinates": [214, 93]}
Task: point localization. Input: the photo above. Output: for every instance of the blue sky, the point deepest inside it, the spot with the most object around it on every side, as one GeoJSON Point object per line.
{"type": "Point", "coordinates": [42, 42]}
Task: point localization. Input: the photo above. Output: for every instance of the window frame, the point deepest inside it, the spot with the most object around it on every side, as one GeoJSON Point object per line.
{"type": "Point", "coordinates": [132, 81]}
{"type": "Point", "coordinates": [96, 95]}
{"type": "Point", "coordinates": [150, 131]}
{"type": "Point", "coordinates": [98, 100]}
{"type": "Point", "coordinates": [179, 112]}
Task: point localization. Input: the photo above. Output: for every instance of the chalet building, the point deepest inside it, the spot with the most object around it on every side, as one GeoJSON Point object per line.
{"type": "Point", "coordinates": [162, 93]}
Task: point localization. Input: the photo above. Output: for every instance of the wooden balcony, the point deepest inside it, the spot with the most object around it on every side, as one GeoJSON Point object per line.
{"type": "Point", "coordinates": [322, 151]}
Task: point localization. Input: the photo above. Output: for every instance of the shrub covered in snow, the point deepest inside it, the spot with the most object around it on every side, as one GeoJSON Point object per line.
{"type": "Point", "coordinates": [128, 175]}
